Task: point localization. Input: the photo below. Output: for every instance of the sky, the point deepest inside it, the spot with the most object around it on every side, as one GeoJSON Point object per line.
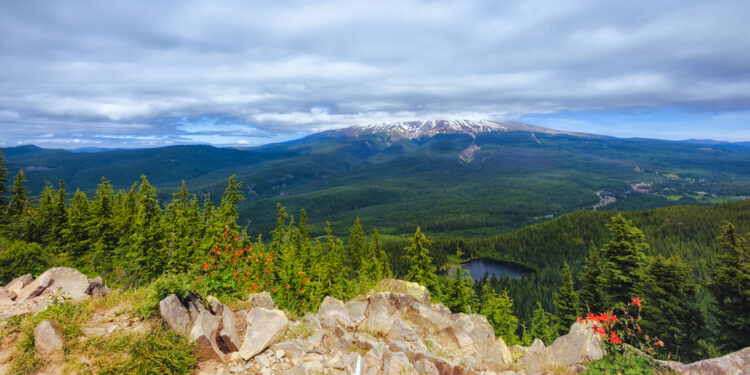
{"type": "Point", "coordinates": [123, 74]}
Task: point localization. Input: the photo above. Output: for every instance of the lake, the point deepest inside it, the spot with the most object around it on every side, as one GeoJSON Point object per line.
{"type": "Point", "coordinates": [480, 266]}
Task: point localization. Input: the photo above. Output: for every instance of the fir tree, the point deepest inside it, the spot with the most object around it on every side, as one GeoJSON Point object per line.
{"type": "Point", "coordinates": [3, 182]}
{"type": "Point", "coordinates": [669, 308]}
{"type": "Point", "coordinates": [356, 247]}
{"type": "Point", "coordinates": [624, 259]}
{"type": "Point", "coordinates": [228, 212]}
{"type": "Point", "coordinates": [18, 197]}
{"type": "Point", "coordinates": [591, 294]}
{"type": "Point", "coordinates": [460, 295]}
{"type": "Point", "coordinates": [376, 247]}
{"type": "Point", "coordinates": [145, 249]}
{"type": "Point", "coordinates": [540, 325]}
{"type": "Point", "coordinates": [566, 301]}
{"type": "Point", "coordinates": [497, 308]}
{"type": "Point", "coordinates": [730, 286]}
{"type": "Point", "coordinates": [76, 235]}
{"type": "Point", "coordinates": [421, 269]}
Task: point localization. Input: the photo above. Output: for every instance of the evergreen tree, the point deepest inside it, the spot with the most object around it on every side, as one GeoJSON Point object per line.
{"type": "Point", "coordinates": [669, 310]}
{"type": "Point", "coordinates": [18, 197]}
{"type": "Point", "coordinates": [377, 248]}
{"type": "Point", "coordinates": [356, 247]}
{"type": "Point", "coordinates": [624, 257]}
{"type": "Point", "coordinates": [333, 271]}
{"type": "Point", "coordinates": [145, 250]}
{"type": "Point", "coordinates": [228, 212]}
{"type": "Point", "coordinates": [3, 183]}
{"type": "Point", "coordinates": [497, 308]}
{"type": "Point", "coordinates": [540, 326]}
{"type": "Point", "coordinates": [730, 286]}
{"type": "Point", "coordinates": [421, 269]}
{"type": "Point", "coordinates": [460, 295]}
{"type": "Point", "coordinates": [76, 235]}
{"type": "Point", "coordinates": [591, 295]}
{"type": "Point", "coordinates": [566, 301]}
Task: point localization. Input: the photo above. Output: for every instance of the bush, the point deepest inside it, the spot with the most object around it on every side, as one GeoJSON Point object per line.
{"type": "Point", "coordinates": [178, 284]}
{"type": "Point", "coordinates": [623, 364]}
{"type": "Point", "coordinates": [18, 258]}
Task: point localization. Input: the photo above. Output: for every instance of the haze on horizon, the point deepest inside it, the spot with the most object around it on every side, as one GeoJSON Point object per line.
{"type": "Point", "coordinates": [125, 74]}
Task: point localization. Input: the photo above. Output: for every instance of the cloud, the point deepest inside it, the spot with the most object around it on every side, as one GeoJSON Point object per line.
{"type": "Point", "coordinates": [98, 71]}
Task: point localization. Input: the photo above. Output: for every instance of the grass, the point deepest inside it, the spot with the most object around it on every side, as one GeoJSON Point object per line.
{"type": "Point", "coordinates": [624, 364]}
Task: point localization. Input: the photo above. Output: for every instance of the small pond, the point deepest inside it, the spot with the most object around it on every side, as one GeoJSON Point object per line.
{"type": "Point", "coordinates": [478, 267]}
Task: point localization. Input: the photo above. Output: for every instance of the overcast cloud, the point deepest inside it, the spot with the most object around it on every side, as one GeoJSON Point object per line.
{"type": "Point", "coordinates": [132, 74]}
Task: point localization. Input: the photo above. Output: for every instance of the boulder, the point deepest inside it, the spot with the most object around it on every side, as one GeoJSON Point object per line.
{"type": "Point", "coordinates": [35, 288]}
{"type": "Point", "coordinates": [263, 328]}
{"type": "Point", "coordinates": [19, 283]}
{"type": "Point", "coordinates": [175, 314]}
{"type": "Point", "coordinates": [396, 363]}
{"type": "Point", "coordinates": [48, 337]}
{"type": "Point", "coordinates": [194, 305]}
{"type": "Point", "coordinates": [427, 319]}
{"type": "Point", "coordinates": [336, 310]}
{"type": "Point", "coordinates": [472, 337]}
{"type": "Point", "coordinates": [505, 356]}
{"type": "Point", "coordinates": [97, 288]}
{"type": "Point", "coordinates": [580, 345]}
{"type": "Point", "coordinates": [204, 334]}
{"type": "Point", "coordinates": [400, 331]}
{"type": "Point", "coordinates": [263, 300]}
{"type": "Point", "coordinates": [228, 334]}
{"type": "Point", "coordinates": [356, 310]}
{"type": "Point", "coordinates": [736, 363]}
{"type": "Point", "coordinates": [402, 287]}
{"type": "Point", "coordinates": [215, 306]}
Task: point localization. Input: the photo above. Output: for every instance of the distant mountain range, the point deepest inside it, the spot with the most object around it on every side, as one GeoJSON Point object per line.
{"type": "Point", "coordinates": [449, 176]}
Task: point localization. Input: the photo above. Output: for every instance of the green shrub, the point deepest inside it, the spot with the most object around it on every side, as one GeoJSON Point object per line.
{"type": "Point", "coordinates": [179, 284]}
{"type": "Point", "coordinates": [628, 363]}
{"type": "Point", "coordinates": [18, 258]}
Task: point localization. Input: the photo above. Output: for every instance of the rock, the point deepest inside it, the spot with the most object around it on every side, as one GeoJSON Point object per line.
{"type": "Point", "coordinates": [402, 287]}
{"type": "Point", "coordinates": [736, 363]}
{"type": "Point", "coordinates": [505, 356]}
{"type": "Point", "coordinates": [263, 300]}
{"type": "Point", "coordinates": [194, 305]}
{"type": "Point", "coordinates": [96, 288]}
{"type": "Point", "coordinates": [472, 337]}
{"type": "Point", "coordinates": [47, 338]}
{"type": "Point", "coordinates": [290, 349]}
{"type": "Point", "coordinates": [537, 346]}
{"type": "Point", "coordinates": [423, 366]}
{"type": "Point", "coordinates": [6, 296]}
{"type": "Point", "coordinates": [60, 281]}
{"type": "Point", "coordinates": [427, 319]}
{"type": "Point", "coordinates": [335, 309]}
{"type": "Point", "coordinates": [19, 283]}
{"type": "Point", "coordinates": [204, 333]}
{"type": "Point", "coordinates": [356, 310]}
{"type": "Point", "coordinates": [263, 328]}
{"type": "Point", "coordinates": [400, 331]}
{"type": "Point", "coordinates": [228, 334]}
{"type": "Point", "coordinates": [379, 315]}
{"type": "Point", "coordinates": [580, 345]}
{"type": "Point", "coordinates": [397, 364]}
{"type": "Point", "coordinates": [175, 314]}
{"type": "Point", "coordinates": [35, 288]}
{"type": "Point", "coordinates": [215, 306]}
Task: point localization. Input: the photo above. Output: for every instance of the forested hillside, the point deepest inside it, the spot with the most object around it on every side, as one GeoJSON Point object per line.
{"type": "Point", "coordinates": [131, 238]}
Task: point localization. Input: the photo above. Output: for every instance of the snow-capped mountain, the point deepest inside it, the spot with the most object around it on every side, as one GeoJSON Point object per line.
{"type": "Point", "coordinates": [429, 128]}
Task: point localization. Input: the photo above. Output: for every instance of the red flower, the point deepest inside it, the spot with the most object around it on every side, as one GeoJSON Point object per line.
{"type": "Point", "coordinates": [637, 302]}
{"type": "Point", "coordinates": [301, 273]}
{"type": "Point", "coordinates": [590, 317]}
{"type": "Point", "coordinates": [236, 238]}
{"type": "Point", "coordinates": [659, 343]}
{"type": "Point", "coordinates": [302, 291]}
{"type": "Point", "coordinates": [205, 265]}
{"type": "Point", "coordinates": [287, 286]}
{"type": "Point", "coordinates": [613, 338]}
{"type": "Point", "coordinates": [580, 320]}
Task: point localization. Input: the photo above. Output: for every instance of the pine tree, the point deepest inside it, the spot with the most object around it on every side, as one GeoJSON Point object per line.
{"type": "Point", "coordinates": [421, 269]}
{"type": "Point", "coordinates": [624, 257]}
{"type": "Point", "coordinates": [228, 212]}
{"type": "Point", "coordinates": [356, 247]}
{"type": "Point", "coordinates": [76, 236]}
{"type": "Point", "coordinates": [591, 295]}
{"type": "Point", "coordinates": [18, 197]}
{"type": "Point", "coordinates": [730, 286]}
{"type": "Point", "coordinates": [566, 301]}
{"type": "Point", "coordinates": [669, 310]}
{"type": "Point", "coordinates": [377, 248]}
{"type": "Point", "coordinates": [3, 183]}
{"type": "Point", "coordinates": [146, 247]}
{"type": "Point", "coordinates": [460, 295]}
{"type": "Point", "coordinates": [540, 325]}
{"type": "Point", "coordinates": [497, 308]}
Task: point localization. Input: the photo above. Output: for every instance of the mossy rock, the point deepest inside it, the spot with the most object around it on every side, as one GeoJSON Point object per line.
{"type": "Point", "coordinates": [404, 287]}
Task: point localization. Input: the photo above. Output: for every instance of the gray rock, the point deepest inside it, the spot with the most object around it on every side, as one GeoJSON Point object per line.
{"type": "Point", "coordinates": [48, 338]}
{"type": "Point", "coordinates": [96, 288]}
{"type": "Point", "coordinates": [228, 334]}
{"type": "Point", "coordinates": [396, 363]}
{"type": "Point", "coordinates": [356, 310]}
{"type": "Point", "coordinates": [335, 309]}
{"type": "Point", "coordinates": [194, 305]}
{"type": "Point", "coordinates": [215, 306]}
{"type": "Point", "coordinates": [400, 331]}
{"type": "Point", "coordinates": [204, 334]}
{"type": "Point", "coordinates": [175, 314]}
{"type": "Point", "coordinates": [505, 356]}
{"type": "Point", "coordinates": [263, 300]}
{"type": "Point", "coordinates": [402, 287]}
{"type": "Point", "coordinates": [580, 345]}
{"type": "Point", "coordinates": [264, 327]}
{"type": "Point", "coordinates": [736, 363]}
{"type": "Point", "coordinates": [60, 281]}
{"type": "Point", "coordinates": [19, 283]}
{"type": "Point", "coordinates": [35, 288]}
{"type": "Point", "coordinates": [472, 337]}
{"type": "Point", "coordinates": [423, 366]}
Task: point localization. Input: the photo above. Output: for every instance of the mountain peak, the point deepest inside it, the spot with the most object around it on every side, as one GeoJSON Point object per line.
{"type": "Point", "coordinates": [429, 128]}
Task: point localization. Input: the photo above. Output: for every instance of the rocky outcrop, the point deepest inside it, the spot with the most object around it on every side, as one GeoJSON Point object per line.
{"type": "Point", "coordinates": [48, 338]}
{"type": "Point", "coordinates": [579, 346]}
{"type": "Point", "coordinates": [25, 294]}
{"type": "Point", "coordinates": [263, 328]}
{"type": "Point", "coordinates": [736, 363]}
{"type": "Point", "coordinates": [175, 314]}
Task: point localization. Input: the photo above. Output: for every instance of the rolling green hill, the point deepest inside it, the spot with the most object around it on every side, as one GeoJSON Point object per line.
{"type": "Point", "coordinates": [462, 180]}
